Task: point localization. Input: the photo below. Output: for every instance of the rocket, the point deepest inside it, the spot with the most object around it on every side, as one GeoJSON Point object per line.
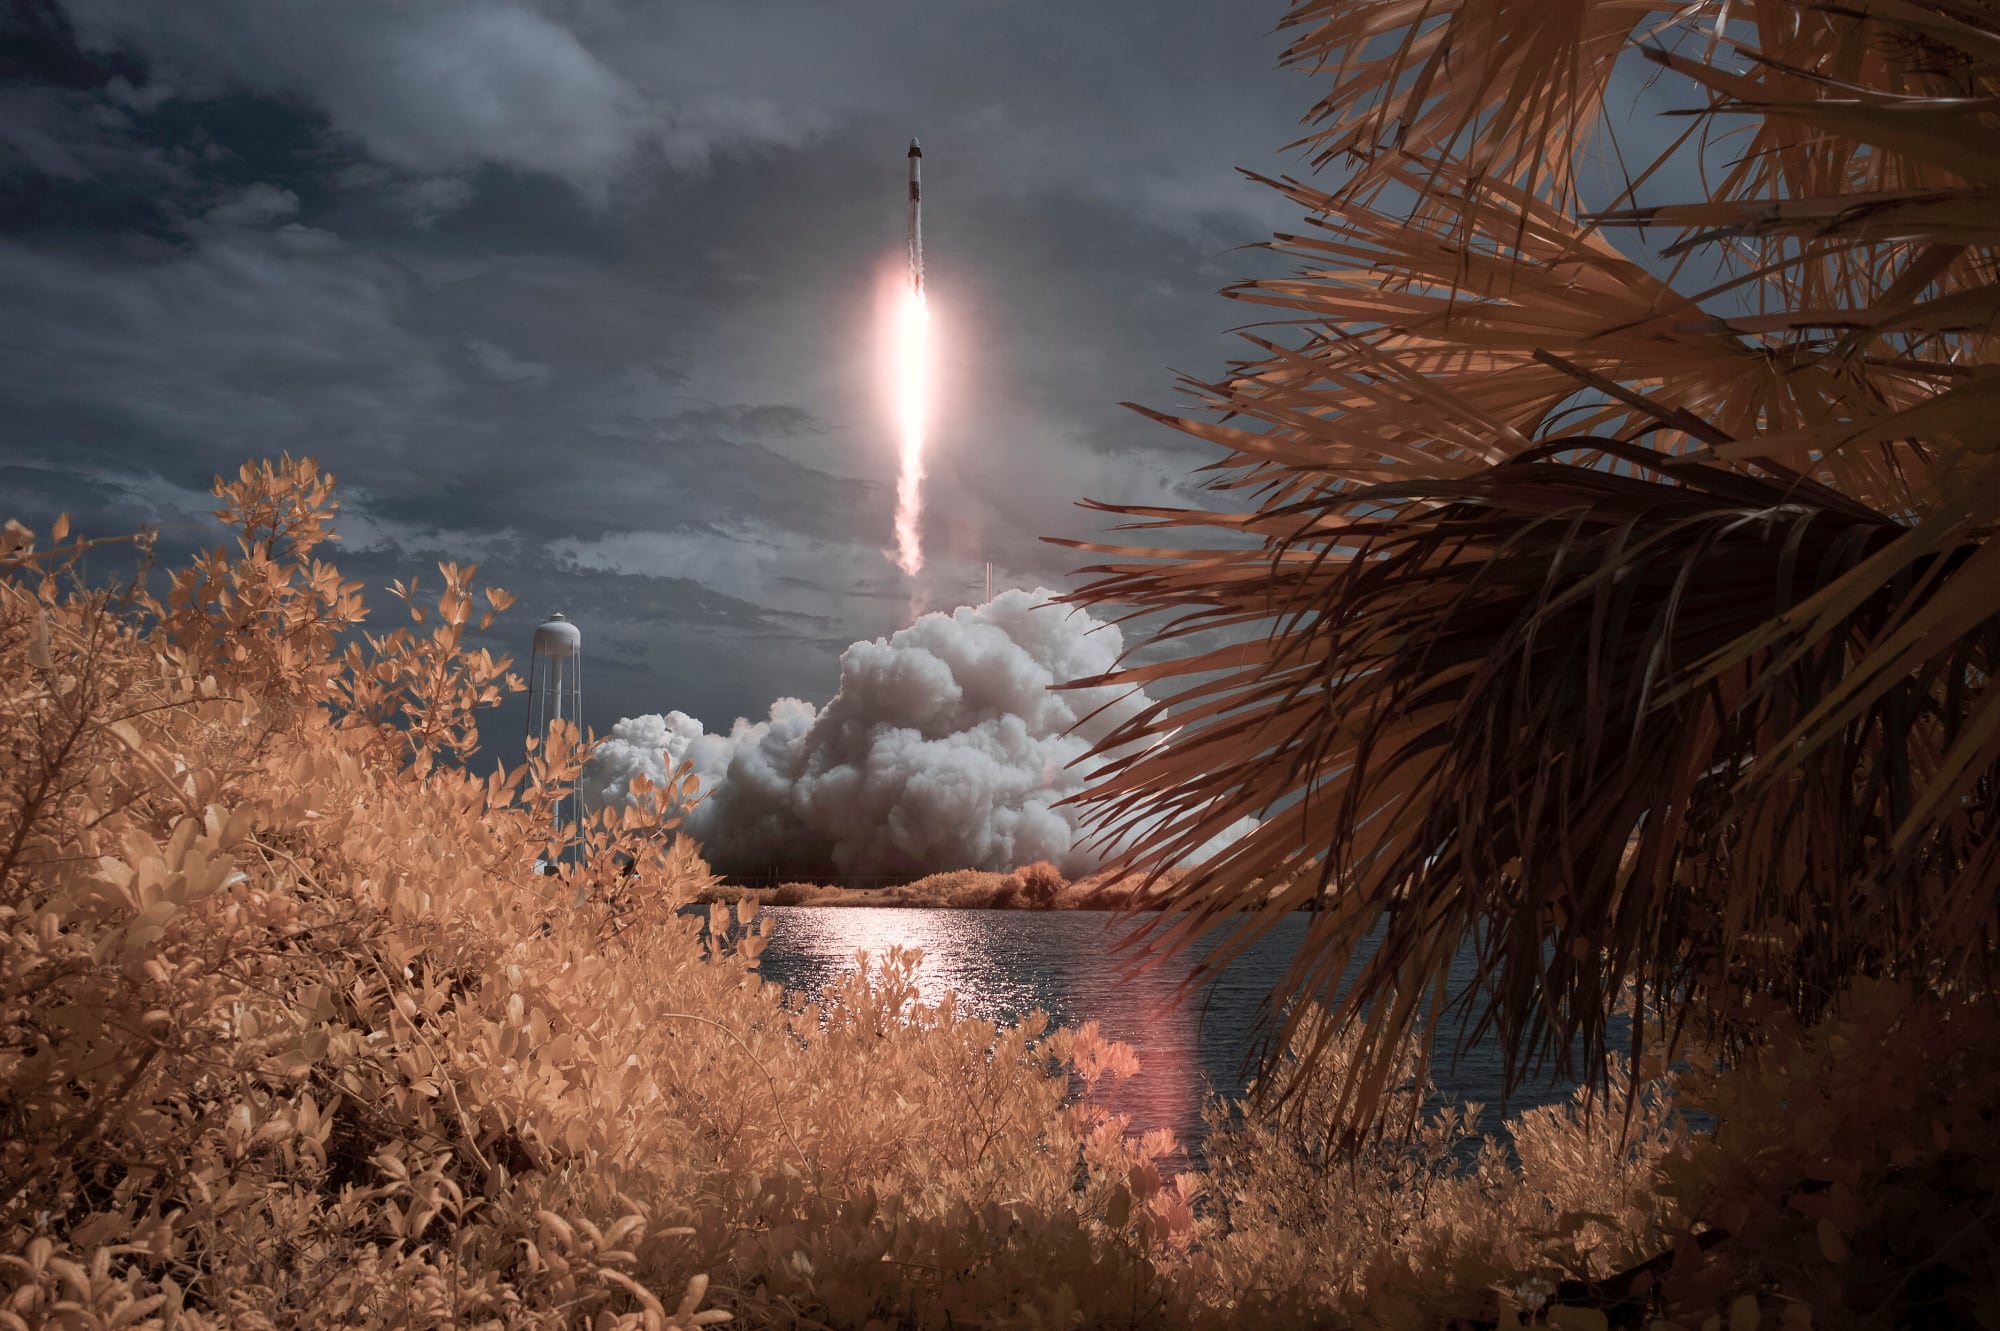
{"type": "Point", "coordinates": [916, 217]}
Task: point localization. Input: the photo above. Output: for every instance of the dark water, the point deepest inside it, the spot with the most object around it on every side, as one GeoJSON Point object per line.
{"type": "Point", "coordinates": [1004, 964]}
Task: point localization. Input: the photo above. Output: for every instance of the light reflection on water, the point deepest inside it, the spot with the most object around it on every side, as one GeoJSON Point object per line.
{"type": "Point", "coordinates": [1004, 964]}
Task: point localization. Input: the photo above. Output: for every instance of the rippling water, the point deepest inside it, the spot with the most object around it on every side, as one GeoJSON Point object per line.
{"type": "Point", "coordinates": [1003, 964]}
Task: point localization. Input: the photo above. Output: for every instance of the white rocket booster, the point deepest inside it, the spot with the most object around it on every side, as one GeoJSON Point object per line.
{"type": "Point", "coordinates": [916, 217]}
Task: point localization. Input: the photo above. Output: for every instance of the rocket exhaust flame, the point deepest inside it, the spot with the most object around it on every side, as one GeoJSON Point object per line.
{"type": "Point", "coordinates": [913, 336]}
{"type": "Point", "coordinates": [912, 374]}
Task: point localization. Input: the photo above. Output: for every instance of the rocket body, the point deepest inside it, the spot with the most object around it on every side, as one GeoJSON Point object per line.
{"type": "Point", "coordinates": [916, 217]}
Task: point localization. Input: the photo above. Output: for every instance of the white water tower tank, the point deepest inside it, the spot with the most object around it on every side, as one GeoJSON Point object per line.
{"type": "Point", "coordinates": [555, 693]}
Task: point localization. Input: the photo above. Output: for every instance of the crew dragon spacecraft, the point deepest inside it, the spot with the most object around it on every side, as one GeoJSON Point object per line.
{"type": "Point", "coordinates": [916, 217]}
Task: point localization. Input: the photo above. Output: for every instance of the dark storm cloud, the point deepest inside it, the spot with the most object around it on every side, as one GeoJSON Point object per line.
{"type": "Point", "coordinates": [431, 88]}
{"type": "Point", "coordinates": [586, 290]}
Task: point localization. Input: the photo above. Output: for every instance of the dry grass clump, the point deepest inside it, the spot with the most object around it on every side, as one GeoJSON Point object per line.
{"type": "Point", "coordinates": [954, 889]}
{"type": "Point", "coordinates": [1851, 1180]}
{"type": "Point", "coordinates": [1108, 889]}
{"type": "Point", "coordinates": [1300, 1226]}
{"type": "Point", "coordinates": [792, 894]}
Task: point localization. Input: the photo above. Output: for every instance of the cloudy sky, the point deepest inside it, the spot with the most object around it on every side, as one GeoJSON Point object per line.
{"type": "Point", "coordinates": [589, 290]}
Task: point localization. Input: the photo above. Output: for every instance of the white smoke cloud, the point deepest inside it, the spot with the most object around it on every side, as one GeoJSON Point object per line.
{"type": "Point", "coordinates": [944, 748]}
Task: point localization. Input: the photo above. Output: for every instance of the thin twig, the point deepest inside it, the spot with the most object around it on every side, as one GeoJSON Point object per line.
{"type": "Point", "coordinates": [777, 1097]}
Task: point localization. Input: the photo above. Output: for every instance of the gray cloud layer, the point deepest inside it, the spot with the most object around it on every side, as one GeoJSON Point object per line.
{"type": "Point", "coordinates": [588, 291]}
{"type": "Point", "coordinates": [433, 88]}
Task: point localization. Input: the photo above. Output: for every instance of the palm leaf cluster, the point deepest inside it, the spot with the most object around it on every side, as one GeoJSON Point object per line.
{"type": "Point", "coordinates": [1622, 619]}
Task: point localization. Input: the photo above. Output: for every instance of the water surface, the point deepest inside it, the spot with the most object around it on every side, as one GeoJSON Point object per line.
{"type": "Point", "coordinates": [1003, 964]}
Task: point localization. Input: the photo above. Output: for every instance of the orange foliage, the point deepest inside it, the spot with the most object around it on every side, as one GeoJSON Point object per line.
{"type": "Point", "coordinates": [292, 1032]}
{"type": "Point", "coordinates": [1856, 1169]}
{"type": "Point", "coordinates": [1040, 883]}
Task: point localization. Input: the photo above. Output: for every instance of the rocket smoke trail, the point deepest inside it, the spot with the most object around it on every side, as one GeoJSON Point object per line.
{"type": "Point", "coordinates": [912, 382]}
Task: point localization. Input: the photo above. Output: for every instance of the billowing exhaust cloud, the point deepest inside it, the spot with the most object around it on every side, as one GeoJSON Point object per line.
{"type": "Point", "coordinates": [944, 748]}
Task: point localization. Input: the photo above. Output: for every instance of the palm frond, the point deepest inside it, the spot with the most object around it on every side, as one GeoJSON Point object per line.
{"type": "Point", "coordinates": [1507, 90]}
{"type": "Point", "coordinates": [1487, 725]}
{"type": "Point", "coordinates": [1612, 631]}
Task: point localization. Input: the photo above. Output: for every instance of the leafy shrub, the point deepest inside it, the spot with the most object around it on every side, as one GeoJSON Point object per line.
{"type": "Point", "coordinates": [957, 889]}
{"type": "Point", "coordinates": [1104, 896]}
{"type": "Point", "coordinates": [791, 894]}
{"type": "Point", "coordinates": [1041, 882]}
{"type": "Point", "coordinates": [292, 1032]}
{"type": "Point", "coordinates": [1402, 1228]}
{"type": "Point", "coordinates": [1854, 1175]}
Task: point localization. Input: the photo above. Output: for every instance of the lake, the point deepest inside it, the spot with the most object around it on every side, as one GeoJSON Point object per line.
{"type": "Point", "coordinates": [1003, 964]}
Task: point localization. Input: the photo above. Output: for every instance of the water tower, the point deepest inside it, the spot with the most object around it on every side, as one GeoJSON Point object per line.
{"type": "Point", "coordinates": [555, 693]}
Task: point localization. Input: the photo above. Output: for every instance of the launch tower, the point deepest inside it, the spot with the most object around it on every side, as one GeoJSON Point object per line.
{"type": "Point", "coordinates": [555, 693]}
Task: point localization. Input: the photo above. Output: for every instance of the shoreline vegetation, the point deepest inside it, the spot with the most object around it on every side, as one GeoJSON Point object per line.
{"type": "Point", "coordinates": [1037, 886]}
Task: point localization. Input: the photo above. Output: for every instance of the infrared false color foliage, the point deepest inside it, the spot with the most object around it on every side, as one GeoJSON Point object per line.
{"type": "Point", "coordinates": [1640, 635]}
{"type": "Point", "coordinates": [297, 1035]}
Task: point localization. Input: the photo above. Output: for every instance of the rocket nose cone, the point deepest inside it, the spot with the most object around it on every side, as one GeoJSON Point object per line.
{"type": "Point", "coordinates": [916, 149]}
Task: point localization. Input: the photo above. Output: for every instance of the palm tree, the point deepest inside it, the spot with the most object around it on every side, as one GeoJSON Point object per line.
{"type": "Point", "coordinates": [1630, 623]}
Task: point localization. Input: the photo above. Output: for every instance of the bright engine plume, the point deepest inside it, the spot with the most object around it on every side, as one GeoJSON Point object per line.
{"type": "Point", "coordinates": [912, 377]}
